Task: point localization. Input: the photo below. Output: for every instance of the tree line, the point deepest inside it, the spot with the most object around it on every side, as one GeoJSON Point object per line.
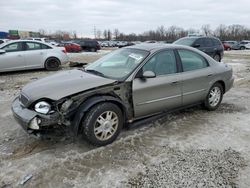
{"type": "Point", "coordinates": [169, 34]}
{"type": "Point", "coordinates": [172, 33]}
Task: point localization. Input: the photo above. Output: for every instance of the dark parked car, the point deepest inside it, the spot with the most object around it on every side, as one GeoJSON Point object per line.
{"type": "Point", "coordinates": [210, 45]}
{"type": "Point", "coordinates": [89, 45]}
{"type": "Point", "coordinates": [127, 85]}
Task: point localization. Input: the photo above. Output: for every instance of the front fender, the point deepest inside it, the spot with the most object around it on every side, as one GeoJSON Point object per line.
{"type": "Point", "coordinates": [86, 105]}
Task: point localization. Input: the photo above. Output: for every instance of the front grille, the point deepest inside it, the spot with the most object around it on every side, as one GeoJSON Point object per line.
{"type": "Point", "coordinates": [23, 99]}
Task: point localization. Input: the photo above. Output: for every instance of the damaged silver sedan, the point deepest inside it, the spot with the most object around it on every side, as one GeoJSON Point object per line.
{"type": "Point", "coordinates": [127, 85]}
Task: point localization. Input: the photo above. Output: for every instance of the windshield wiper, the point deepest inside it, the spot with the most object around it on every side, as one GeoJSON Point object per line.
{"type": "Point", "coordinates": [94, 72]}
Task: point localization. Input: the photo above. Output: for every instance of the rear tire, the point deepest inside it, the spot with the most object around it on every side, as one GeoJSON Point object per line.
{"type": "Point", "coordinates": [214, 97]}
{"type": "Point", "coordinates": [242, 48]}
{"type": "Point", "coordinates": [52, 64]}
{"type": "Point", "coordinates": [102, 124]}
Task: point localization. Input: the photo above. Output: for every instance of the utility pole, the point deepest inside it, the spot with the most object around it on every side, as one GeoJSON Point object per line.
{"type": "Point", "coordinates": [95, 32]}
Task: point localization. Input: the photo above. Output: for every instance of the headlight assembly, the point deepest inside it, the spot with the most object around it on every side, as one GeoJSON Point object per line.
{"type": "Point", "coordinates": [42, 107]}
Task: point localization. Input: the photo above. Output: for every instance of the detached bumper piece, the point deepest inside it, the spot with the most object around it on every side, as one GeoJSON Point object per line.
{"type": "Point", "coordinates": [30, 120]}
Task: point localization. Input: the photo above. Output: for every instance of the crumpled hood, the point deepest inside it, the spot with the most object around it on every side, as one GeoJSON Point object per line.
{"type": "Point", "coordinates": [63, 84]}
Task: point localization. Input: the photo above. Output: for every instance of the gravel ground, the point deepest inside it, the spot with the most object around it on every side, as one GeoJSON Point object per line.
{"type": "Point", "coordinates": [189, 148]}
{"type": "Point", "coordinates": [194, 168]}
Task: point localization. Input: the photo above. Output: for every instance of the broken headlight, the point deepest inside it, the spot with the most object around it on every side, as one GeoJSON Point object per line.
{"type": "Point", "coordinates": [42, 107]}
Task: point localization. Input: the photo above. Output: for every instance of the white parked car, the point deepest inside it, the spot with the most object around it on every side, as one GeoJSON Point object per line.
{"type": "Point", "coordinates": [3, 40]}
{"type": "Point", "coordinates": [27, 54]}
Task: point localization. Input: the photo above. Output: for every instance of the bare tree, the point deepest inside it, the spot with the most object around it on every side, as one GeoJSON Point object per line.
{"type": "Point", "coordinates": [98, 33]}
{"type": "Point", "coordinates": [109, 35]}
{"type": "Point", "coordinates": [116, 34]}
{"type": "Point", "coordinates": [74, 35]}
{"type": "Point", "coordinates": [206, 30]}
{"type": "Point", "coordinates": [105, 34]}
{"type": "Point", "coordinates": [42, 32]}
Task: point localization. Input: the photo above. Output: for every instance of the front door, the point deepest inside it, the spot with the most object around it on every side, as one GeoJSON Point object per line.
{"type": "Point", "coordinates": [13, 58]}
{"type": "Point", "coordinates": [163, 92]}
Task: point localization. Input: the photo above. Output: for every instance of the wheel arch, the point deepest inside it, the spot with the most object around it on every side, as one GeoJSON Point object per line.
{"type": "Point", "coordinates": [89, 103]}
{"type": "Point", "coordinates": [222, 84]}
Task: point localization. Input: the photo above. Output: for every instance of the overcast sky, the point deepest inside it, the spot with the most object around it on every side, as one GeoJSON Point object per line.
{"type": "Point", "coordinates": [126, 15]}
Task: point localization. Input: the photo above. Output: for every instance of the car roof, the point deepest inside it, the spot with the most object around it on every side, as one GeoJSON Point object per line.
{"type": "Point", "coordinates": [12, 41]}
{"type": "Point", "coordinates": [158, 46]}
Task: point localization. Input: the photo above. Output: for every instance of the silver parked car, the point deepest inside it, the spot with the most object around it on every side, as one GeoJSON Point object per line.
{"type": "Point", "coordinates": [26, 54]}
{"type": "Point", "coordinates": [126, 85]}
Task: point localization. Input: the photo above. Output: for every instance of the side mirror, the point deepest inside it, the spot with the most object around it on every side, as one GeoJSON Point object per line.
{"type": "Point", "coordinates": [2, 51]}
{"type": "Point", "coordinates": [196, 45]}
{"type": "Point", "coordinates": [148, 74]}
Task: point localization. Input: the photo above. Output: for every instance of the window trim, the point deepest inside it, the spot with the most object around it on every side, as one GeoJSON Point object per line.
{"type": "Point", "coordinates": [181, 64]}
{"type": "Point", "coordinates": [139, 71]}
{"type": "Point", "coordinates": [22, 47]}
{"type": "Point", "coordinates": [25, 47]}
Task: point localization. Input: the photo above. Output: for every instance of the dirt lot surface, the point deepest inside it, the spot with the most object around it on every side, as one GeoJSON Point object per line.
{"type": "Point", "coordinates": [190, 148]}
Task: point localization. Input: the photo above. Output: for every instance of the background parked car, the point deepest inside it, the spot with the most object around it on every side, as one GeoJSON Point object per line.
{"type": "Point", "coordinates": [3, 40]}
{"type": "Point", "coordinates": [230, 43]}
{"type": "Point", "coordinates": [226, 45]}
{"type": "Point", "coordinates": [27, 54]}
{"type": "Point", "coordinates": [210, 45]}
{"type": "Point", "coordinates": [89, 45]}
{"type": "Point", "coordinates": [72, 47]}
{"type": "Point", "coordinates": [242, 45]}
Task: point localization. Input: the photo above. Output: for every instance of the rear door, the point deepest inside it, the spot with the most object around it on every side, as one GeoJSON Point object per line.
{"type": "Point", "coordinates": [153, 95]}
{"type": "Point", "coordinates": [13, 59]}
{"type": "Point", "coordinates": [34, 55]}
{"type": "Point", "coordinates": [195, 77]}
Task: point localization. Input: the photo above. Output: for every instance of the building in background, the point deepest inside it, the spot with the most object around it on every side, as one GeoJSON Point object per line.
{"type": "Point", "coordinates": [3, 35]}
{"type": "Point", "coordinates": [24, 34]}
{"type": "Point", "coordinates": [13, 34]}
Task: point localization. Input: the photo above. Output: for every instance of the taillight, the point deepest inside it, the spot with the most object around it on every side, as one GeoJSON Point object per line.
{"type": "Point", "coordinates": [64, 51]}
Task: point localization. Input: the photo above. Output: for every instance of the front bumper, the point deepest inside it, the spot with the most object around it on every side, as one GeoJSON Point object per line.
{"type": "Point", "coordinates": [24, 117]}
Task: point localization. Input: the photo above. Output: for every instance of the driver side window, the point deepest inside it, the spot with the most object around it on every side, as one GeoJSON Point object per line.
{"type": "Point", "coordinates": [162, 63]}
{"type": "Point", "coordinates": [13, 47]}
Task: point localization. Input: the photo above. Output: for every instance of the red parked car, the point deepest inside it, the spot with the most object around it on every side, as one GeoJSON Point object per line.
{"type": "Point", "coordinates": [226, 46]}
{"type": "Point", "coordinates": [72, 47]}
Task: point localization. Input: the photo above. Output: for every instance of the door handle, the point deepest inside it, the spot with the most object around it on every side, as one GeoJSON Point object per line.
{"type": "Point", "coordinates": [19, 55]}
{"type": "Point", "coordinates": [209, 75]}
{"type": "Point", "coordinates": [174, 83]}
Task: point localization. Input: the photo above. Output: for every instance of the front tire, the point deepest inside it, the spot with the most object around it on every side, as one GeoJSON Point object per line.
{"type": "Point", "coordinates": [214, 97]}
{"type": "Point", "coordinates": [102, 124]}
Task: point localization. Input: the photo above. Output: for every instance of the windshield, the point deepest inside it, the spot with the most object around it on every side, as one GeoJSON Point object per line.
{"type": "Point", "coordinates": [118, 64]}
{"type": "Point", "coordinates": [185, 41]}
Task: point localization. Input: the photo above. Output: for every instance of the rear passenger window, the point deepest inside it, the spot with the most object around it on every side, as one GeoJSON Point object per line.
{"type": "Point", "coordinates": [216, 42]}
{"type": "Point", "coordinates": [45, 46]}
{"type": "Point", "coordinates": [208, 42]}
{"type": "Point", "coordinates": [191, 60]}
{"type": "Point", "coordinates": [32, 46]}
